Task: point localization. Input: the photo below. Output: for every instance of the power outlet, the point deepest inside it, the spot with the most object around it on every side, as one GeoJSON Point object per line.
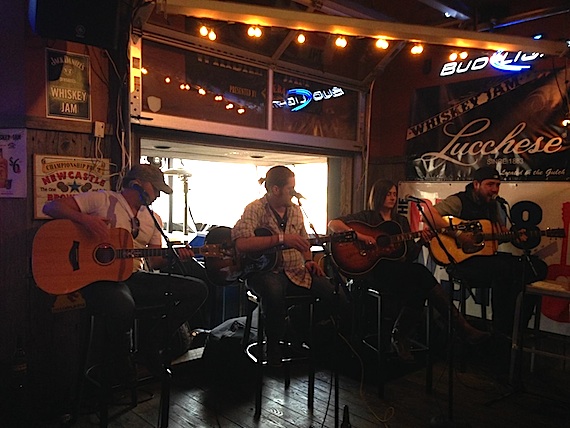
{"type": "Point", "coordinates": [99, 129]}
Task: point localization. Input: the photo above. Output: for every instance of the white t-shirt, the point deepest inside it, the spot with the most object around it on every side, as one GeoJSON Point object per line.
{"type": "Point", "coordinates": [114, 207]}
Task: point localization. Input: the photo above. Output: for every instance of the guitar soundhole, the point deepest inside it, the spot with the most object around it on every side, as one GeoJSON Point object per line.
{"type": "Point", "coordinates": [104, 254]}
{"type": "Point", "coordinates": [383, 241]}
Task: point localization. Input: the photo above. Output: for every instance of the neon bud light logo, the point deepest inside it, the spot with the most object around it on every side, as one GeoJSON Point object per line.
{"type": "Point", "coordinates": [500, 60]}
{"type": "Point", "coordinates": [298, 98]}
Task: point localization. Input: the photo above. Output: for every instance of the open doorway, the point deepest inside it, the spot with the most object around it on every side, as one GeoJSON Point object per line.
{"type": "Point", "coordinates": [218, 191]}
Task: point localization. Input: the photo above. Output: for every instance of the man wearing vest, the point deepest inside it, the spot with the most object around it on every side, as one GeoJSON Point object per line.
{"type": "Point", "coordinates": [501, 271]}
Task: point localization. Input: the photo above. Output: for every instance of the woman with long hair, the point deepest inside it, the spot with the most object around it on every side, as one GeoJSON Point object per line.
{"type": "Point", "coordinates": [411, 282]}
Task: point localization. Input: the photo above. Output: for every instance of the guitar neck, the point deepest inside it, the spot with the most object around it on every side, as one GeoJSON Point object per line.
{"type": "Point", "coordinates": [509, 236]}
{"type": "Point", "coordinates": [130, 253]}
{"type": "Point", "coordinates": [408, 236]}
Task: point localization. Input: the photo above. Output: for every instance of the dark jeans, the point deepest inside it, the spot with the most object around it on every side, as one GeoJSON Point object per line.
{"type": "Point", "coordinates": [506, 274]}
{"type": "Point", "coordinates": [273, 287]}
{"type": "Point", "coordinates": [118, 300]}
{"type": "Point", "coordinates": [410, 283]}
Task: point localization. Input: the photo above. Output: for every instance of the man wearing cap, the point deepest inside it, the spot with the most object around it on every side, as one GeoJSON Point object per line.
{"type": "Point", "coordinates": [501, 271]}
{"type": "Point", "coordinates": [99, 211]}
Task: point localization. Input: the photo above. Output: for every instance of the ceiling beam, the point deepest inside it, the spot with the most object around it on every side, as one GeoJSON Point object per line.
{"type": "Point", "coordinates": [295, 20]}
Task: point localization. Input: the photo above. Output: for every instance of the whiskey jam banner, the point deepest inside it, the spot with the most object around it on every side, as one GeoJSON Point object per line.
{"type": "Point", "coordinates": [513, 124]}
{"type": "Point", "coordinates": [13, 170]}
{"type": "Point", "coordinates": [532, 205]}
{"type": "Point", "coordinates": [68, 89]}
{"type": "Point", "coordinates": [64, 176]}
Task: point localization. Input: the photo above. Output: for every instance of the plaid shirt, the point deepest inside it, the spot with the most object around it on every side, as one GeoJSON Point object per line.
{"type": "Point", "coordinates": [258, 214]}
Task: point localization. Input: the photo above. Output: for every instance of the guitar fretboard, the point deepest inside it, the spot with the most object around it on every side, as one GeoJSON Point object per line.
{"type": "Point", "coordinates": [413, 235]}
{"type": "Point", "coordinates": [128, 253]}
{"type": "Point", "coordinates": [508, 236]}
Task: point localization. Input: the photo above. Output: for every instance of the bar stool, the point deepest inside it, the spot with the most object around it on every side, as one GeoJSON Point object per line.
{"type": "Point", "coordinates": [538, 288]}
{"type": "Point", "coordinates": [257, 353]}
{"type": "Point", "coordinates": [91, 369]}
{"type": "Point", "coordinates": [379, 342]}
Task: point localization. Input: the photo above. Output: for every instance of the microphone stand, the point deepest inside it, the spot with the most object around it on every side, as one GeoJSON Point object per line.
{"type": "Point", "coordinates": [166, 377]}
{"type": "Point", "coordinates": [336, 321]}
{"type": "Point", "coordinates": [517, 354]}
{"type": "Point", "coordinates": [435, 422]}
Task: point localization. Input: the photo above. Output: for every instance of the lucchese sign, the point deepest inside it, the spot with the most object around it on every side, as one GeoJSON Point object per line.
{"type": "Point", "coordinates": [514, 123]}
{"type": "Point", "coordinates": [500, 60]}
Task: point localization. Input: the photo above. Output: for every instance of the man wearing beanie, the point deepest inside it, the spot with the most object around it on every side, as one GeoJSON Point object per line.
{"type": "Point", "coordinates": [501, 271]}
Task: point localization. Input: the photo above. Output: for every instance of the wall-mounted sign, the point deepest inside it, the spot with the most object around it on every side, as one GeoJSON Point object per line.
{"type": "Point", "coordinates": [68, 88]}
{"type": "Point", "coordinates": [513, 125]}
{"type": "Point", "coordinates": [500, 60]}
{"type": "Point", "coordinates": [13, 170]}
{"type": "Point", "coordinates": [299, 98]}
{"type": "Point", "coordinates": [64, 176]}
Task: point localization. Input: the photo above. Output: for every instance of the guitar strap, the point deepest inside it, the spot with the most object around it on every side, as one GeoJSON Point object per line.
{"type": "Point", "coordinates": [281, 221]}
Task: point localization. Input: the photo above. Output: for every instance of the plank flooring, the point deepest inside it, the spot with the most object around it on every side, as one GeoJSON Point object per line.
{"type": "Point", "coordinates": [218, 391]}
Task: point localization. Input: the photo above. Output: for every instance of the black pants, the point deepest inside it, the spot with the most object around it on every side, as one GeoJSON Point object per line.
{"type": "Point", "coordinates": [506, 274]}
{"type": "Point", "coordinates": [272, 287]}
{"type": "Point", "coordinates": [409, 282]}
{"type": "Point", "coordinates": [118, 300]}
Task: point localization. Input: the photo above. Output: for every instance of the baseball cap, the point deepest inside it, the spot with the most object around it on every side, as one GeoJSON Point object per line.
{"type": "Point", "coordinates": [486, 173]}
{"type": "Point", "coordinates": [150, 173]}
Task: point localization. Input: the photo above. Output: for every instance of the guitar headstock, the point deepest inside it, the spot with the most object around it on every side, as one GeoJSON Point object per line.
{"type": "Point", "coordinates": [216, 251]}
{"type": "Point", "coordinates": [555, 233]}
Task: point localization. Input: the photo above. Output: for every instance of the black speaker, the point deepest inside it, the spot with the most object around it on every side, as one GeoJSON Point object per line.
{"type": "Point", "coordinates": [92, 22]}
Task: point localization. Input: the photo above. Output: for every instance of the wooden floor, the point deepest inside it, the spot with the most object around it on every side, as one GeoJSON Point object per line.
{"type": "Point", "coordinates": [217, 390]}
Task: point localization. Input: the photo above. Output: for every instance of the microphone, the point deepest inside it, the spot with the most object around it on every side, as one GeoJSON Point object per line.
{"type": "Point", "coordinates": [410, 198]}
{"type": "Point", "coordinates": [500, 200]}
{"type": "Point", "coordinates": [295, 194]}
{"type": "Point", "coordinates": [145, 198]}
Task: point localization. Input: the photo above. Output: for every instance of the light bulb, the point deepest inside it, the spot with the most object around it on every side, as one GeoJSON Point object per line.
{"type": "Point", "coordinates": [382, 44]}
{"type": "Point", "coordinates": [417, 49]}
{"type": "Point", "coordinates": [341, 42]}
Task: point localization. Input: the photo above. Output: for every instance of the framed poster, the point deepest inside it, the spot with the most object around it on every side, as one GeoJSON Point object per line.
{"type": "Point", "coordinates": [63, 176]}
{"type": "Point", "coordinates": [13, 183]}
{"type": "Point", "coordinates": [68, 86]}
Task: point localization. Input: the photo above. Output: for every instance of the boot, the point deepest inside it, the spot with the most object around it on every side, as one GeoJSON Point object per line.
{"type": "Point", "coordinates": [439, 298]}
{"type": "Point", "coordinates": [403, 328]}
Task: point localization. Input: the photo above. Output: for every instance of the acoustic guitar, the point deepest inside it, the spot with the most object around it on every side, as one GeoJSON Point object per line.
{"type": "Point", "coordinates": [485, 240]}
{"type": "Point", "coordinates": [66, 258]}
{"type": "Point", "coordinates": [355, 257]}
{"type": "Point", "coordinates": [239, 267]}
